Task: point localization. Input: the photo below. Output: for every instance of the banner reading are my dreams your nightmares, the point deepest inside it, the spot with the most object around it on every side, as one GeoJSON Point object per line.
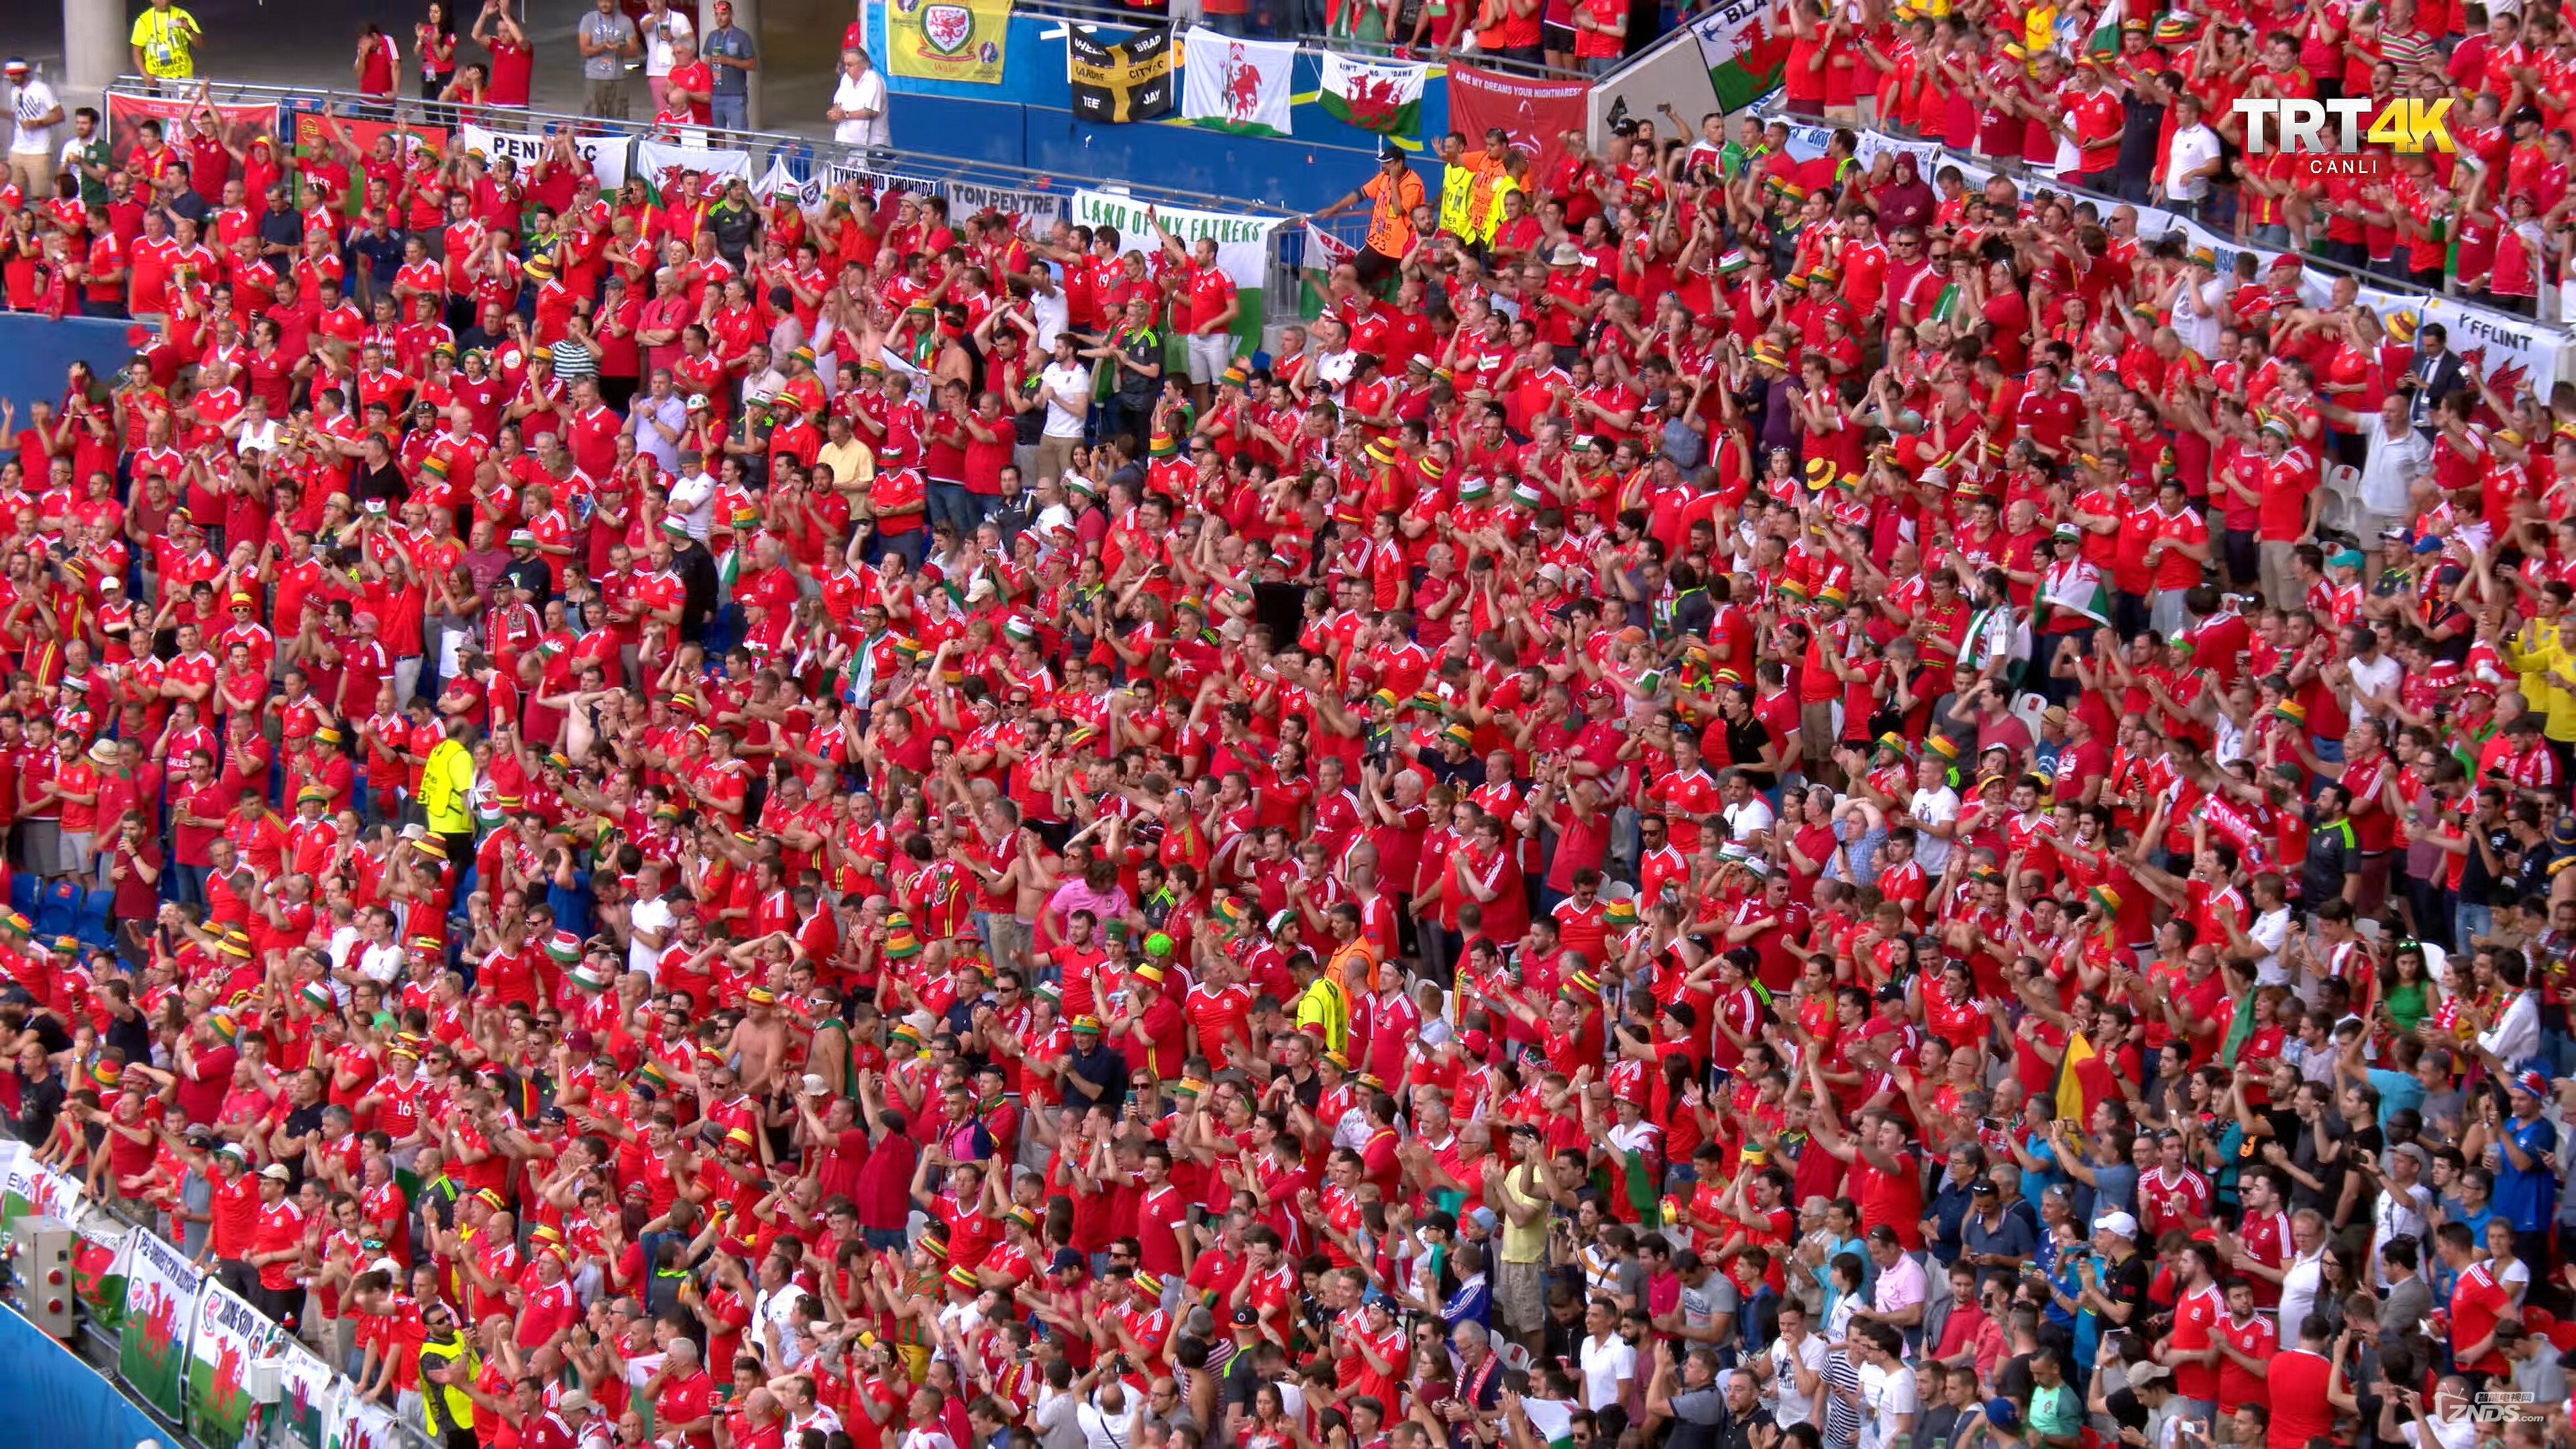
{"type": "Point", "coordinates": [239, 125]}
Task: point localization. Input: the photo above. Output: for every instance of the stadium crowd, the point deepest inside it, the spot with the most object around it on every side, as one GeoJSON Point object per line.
{"type": "Point", "coordinates": [1740, 801]}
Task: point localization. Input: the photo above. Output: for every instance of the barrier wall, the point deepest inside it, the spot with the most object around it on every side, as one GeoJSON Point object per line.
{"type": "Point", "coordinates": [57, 1401]}
{"type": "Point", "coordinates": [1026, 119]}
{"type": "Point", "coordinates": [185, 1347]}
{"type": "Point", "coordinates": [2511, 350]}
{"type": "Point", "coordinates": [34, 353]}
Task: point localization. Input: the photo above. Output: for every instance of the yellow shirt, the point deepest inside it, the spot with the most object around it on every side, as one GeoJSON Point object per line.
{"type": "Point", "coordinates": [852, 463]}
{"type": "Point", "coordinates": [446, 780]}
{"type": "Point", "coordinates": [1326, 1009]}
{"type": "Point", "coordinates": [1523, 1244]}
{"type": "Point", "coordinates": [2538, 657]}
{"type": "Point", "coordinates": [167, 40]}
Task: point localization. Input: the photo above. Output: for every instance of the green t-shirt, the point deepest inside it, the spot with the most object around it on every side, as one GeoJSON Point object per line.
{"type": "Point", "coordinates": [93, 152]}
{"type": "Point", "coordinates": [2055, 1411]}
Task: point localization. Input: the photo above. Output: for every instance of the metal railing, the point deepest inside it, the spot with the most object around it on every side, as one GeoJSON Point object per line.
{"type": "Point", "coordinates": [800, 152]}
{"type": "Point", "coordinates": [101, 1349]}
{"type": "Point", "coordinates": [2039, 182]}
{"type": "Point", "coordinates": [1397, 50]}
{"type": "Point", "coordinates": [956, 178]}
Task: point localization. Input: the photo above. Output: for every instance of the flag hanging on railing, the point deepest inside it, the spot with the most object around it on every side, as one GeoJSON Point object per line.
{"type": "Point", "coordinates": [230, 1336]}
{"type": "Point", "coordinates": [1242, 244]}
{"type": "Point", "coordinates": [1537, 115]}
{"type": "Point", "coordinates": [1123, 79]}
{"type": "Point", "coordinates": [161, 1288]}
{"type": "Point", "coordinates": [1374, 95]}
{"type": "Point", "coordinates": [1744, 47]}
{"type": "Point", "coordinates": [1236, 85]}
{"type": "Point", "coordinates": [949, 40]}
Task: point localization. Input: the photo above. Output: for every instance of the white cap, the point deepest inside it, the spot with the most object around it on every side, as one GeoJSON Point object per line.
{"type": "Point", "coordinates": [2118, 1225]}
{"type": "Point", "coordinates": [816, 1087]}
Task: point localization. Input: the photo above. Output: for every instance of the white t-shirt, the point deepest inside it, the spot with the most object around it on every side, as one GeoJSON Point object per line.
{"type": "Point", "coordinates": [657, 40]}
{"type": "Point", "coordinates": [1607, 1363]}
{"type": "Point", "coordinates": [693, 497]}
{"type": "Point", "coordinates": [1790, 1407]}
{"type": "Point", "coordinates": [1102, 1430]}
{"type": "Point", "coordinates": [1749, 819]}
{"type": "Point", "coordinates": [1885, 1394]}
{"type": "Point", "coordinates": [2193, 148]}
{"type": "Point", "coordinates": [1065, 381]}
{"type": "Point", "coordinates": [33, 99]}
{"type": "Point", "coordinates": [1933, 807]}
{"type": "Point", "coordinates": [654, 916]}
{"type": "Point", "coordinates": [2374, 676]}
{"type": "Point", "coordinates": [862, 93]}
{"type": "Point", "coordinates": [2199, 330]}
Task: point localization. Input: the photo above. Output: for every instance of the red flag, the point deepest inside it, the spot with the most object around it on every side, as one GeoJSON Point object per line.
{"type": "Point", "coordinates": [1535, 114]}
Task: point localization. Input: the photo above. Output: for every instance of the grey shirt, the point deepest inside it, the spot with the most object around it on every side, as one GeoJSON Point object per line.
{"type": "Point", "coordinates": [732, 42]}
{"type": "Point", "coordinates": [615, 31]}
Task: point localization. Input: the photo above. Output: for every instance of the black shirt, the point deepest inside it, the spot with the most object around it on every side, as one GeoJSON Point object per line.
{"type": "Point", "coordinates": [2124, 1282]}
{"type": "Point", "coordinates": [1745, 741]}
{"type": "Point", "coordinates": [40, 1101]}
{"type": "Point", "coordinates": [697, 570]}
{"type": "Point", "coordinates": [2331, 854]}
{"type": "Point", "coordinates": [385, 483]}
{"type": "Point", "coordinates": [1104, 1066]}
{"type": "Point", "coordinates": [533, 574]}
{"type": "Point", "coordinates": [282, 227]}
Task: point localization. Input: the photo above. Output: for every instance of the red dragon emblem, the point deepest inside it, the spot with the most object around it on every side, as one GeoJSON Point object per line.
{"type": "Point", "coordinates": [1373, 99]}
{"type": "Point", "coordinates": [947, 27]}
{"type": "Point", "coordinates": [2508, 377]}
{"type": "Point", "coordinates": [160, 1326]}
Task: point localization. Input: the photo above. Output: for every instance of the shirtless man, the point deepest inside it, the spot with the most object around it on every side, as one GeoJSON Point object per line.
{"type": "Point", "coordinates": [759, 1043]}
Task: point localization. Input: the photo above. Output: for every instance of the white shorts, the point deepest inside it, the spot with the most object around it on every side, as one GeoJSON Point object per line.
{"type": "Point", "coordinates": [1211, 356]}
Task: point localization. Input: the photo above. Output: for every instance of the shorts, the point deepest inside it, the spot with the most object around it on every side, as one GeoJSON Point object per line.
{"type": "Point", "coordinates": [40, 847]}
{"type": "Point", "coordinates": [1210, 357]}
{"type": "Point", "coordinates": [79, 851]}
{"type": "Point", "coordinates": [1520, 1296]}
{"type": "Point", "coordinates": [1552, 36]}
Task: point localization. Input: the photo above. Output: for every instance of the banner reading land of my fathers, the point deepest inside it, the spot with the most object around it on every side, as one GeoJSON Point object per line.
{"type": "Point", "coordinates": [1242, 245]}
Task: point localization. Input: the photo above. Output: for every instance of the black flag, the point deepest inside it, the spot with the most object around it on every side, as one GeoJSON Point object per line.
{"type": "Point", "coordinates": [1127, 81]}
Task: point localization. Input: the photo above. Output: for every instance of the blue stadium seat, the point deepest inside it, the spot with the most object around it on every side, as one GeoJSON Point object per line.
{"type": "Point", "coordinates": [22, 894]}
{"type": "Point", "coordinates": [58, 908]}
{"type": "Point", "coordinates": [97, 925]}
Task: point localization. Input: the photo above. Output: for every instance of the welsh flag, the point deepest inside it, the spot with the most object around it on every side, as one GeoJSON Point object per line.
{"type": "Point", "coordinates": [1374, 96]}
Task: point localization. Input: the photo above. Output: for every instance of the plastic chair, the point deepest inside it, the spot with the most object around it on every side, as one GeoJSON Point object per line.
{"type": "Point", "coordinates": [22, 894]}
{"type": "Point", "coordinates": [58, 908]}
{"type": "Point", "coordinates": [97, 924]}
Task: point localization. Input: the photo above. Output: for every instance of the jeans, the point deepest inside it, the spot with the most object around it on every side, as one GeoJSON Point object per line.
{"type": "Point", "coordinates": [187, 884]}
{"type": "Point", "coordinates": [730, 113]}
{"type": "Point", "coordinates": [952, 504]}
{"type": "Point", "coordinates": [906, 545]}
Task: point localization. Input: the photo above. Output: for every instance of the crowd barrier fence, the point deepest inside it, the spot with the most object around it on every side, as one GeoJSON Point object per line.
{"type": "Point", "coordinates": [190, 1360]}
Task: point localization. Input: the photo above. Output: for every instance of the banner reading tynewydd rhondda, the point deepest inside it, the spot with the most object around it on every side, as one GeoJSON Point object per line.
{"type": "Point", "coordinates": [1242, 245]}
{"type": "Point", "coordinates": [161, 1289]}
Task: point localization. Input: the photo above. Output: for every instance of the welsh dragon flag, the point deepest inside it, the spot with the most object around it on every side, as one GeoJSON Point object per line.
{"type": "Point", "coordinates": [1374, 96]}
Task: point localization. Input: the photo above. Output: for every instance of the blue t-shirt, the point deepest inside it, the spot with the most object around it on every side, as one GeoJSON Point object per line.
{"type": "Point", "coordinates": [572, 906]}
{"type": "Point", "coordinates": [2527, 1197]}
{"type": "Point", "coordinates": [2398, 1092]}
